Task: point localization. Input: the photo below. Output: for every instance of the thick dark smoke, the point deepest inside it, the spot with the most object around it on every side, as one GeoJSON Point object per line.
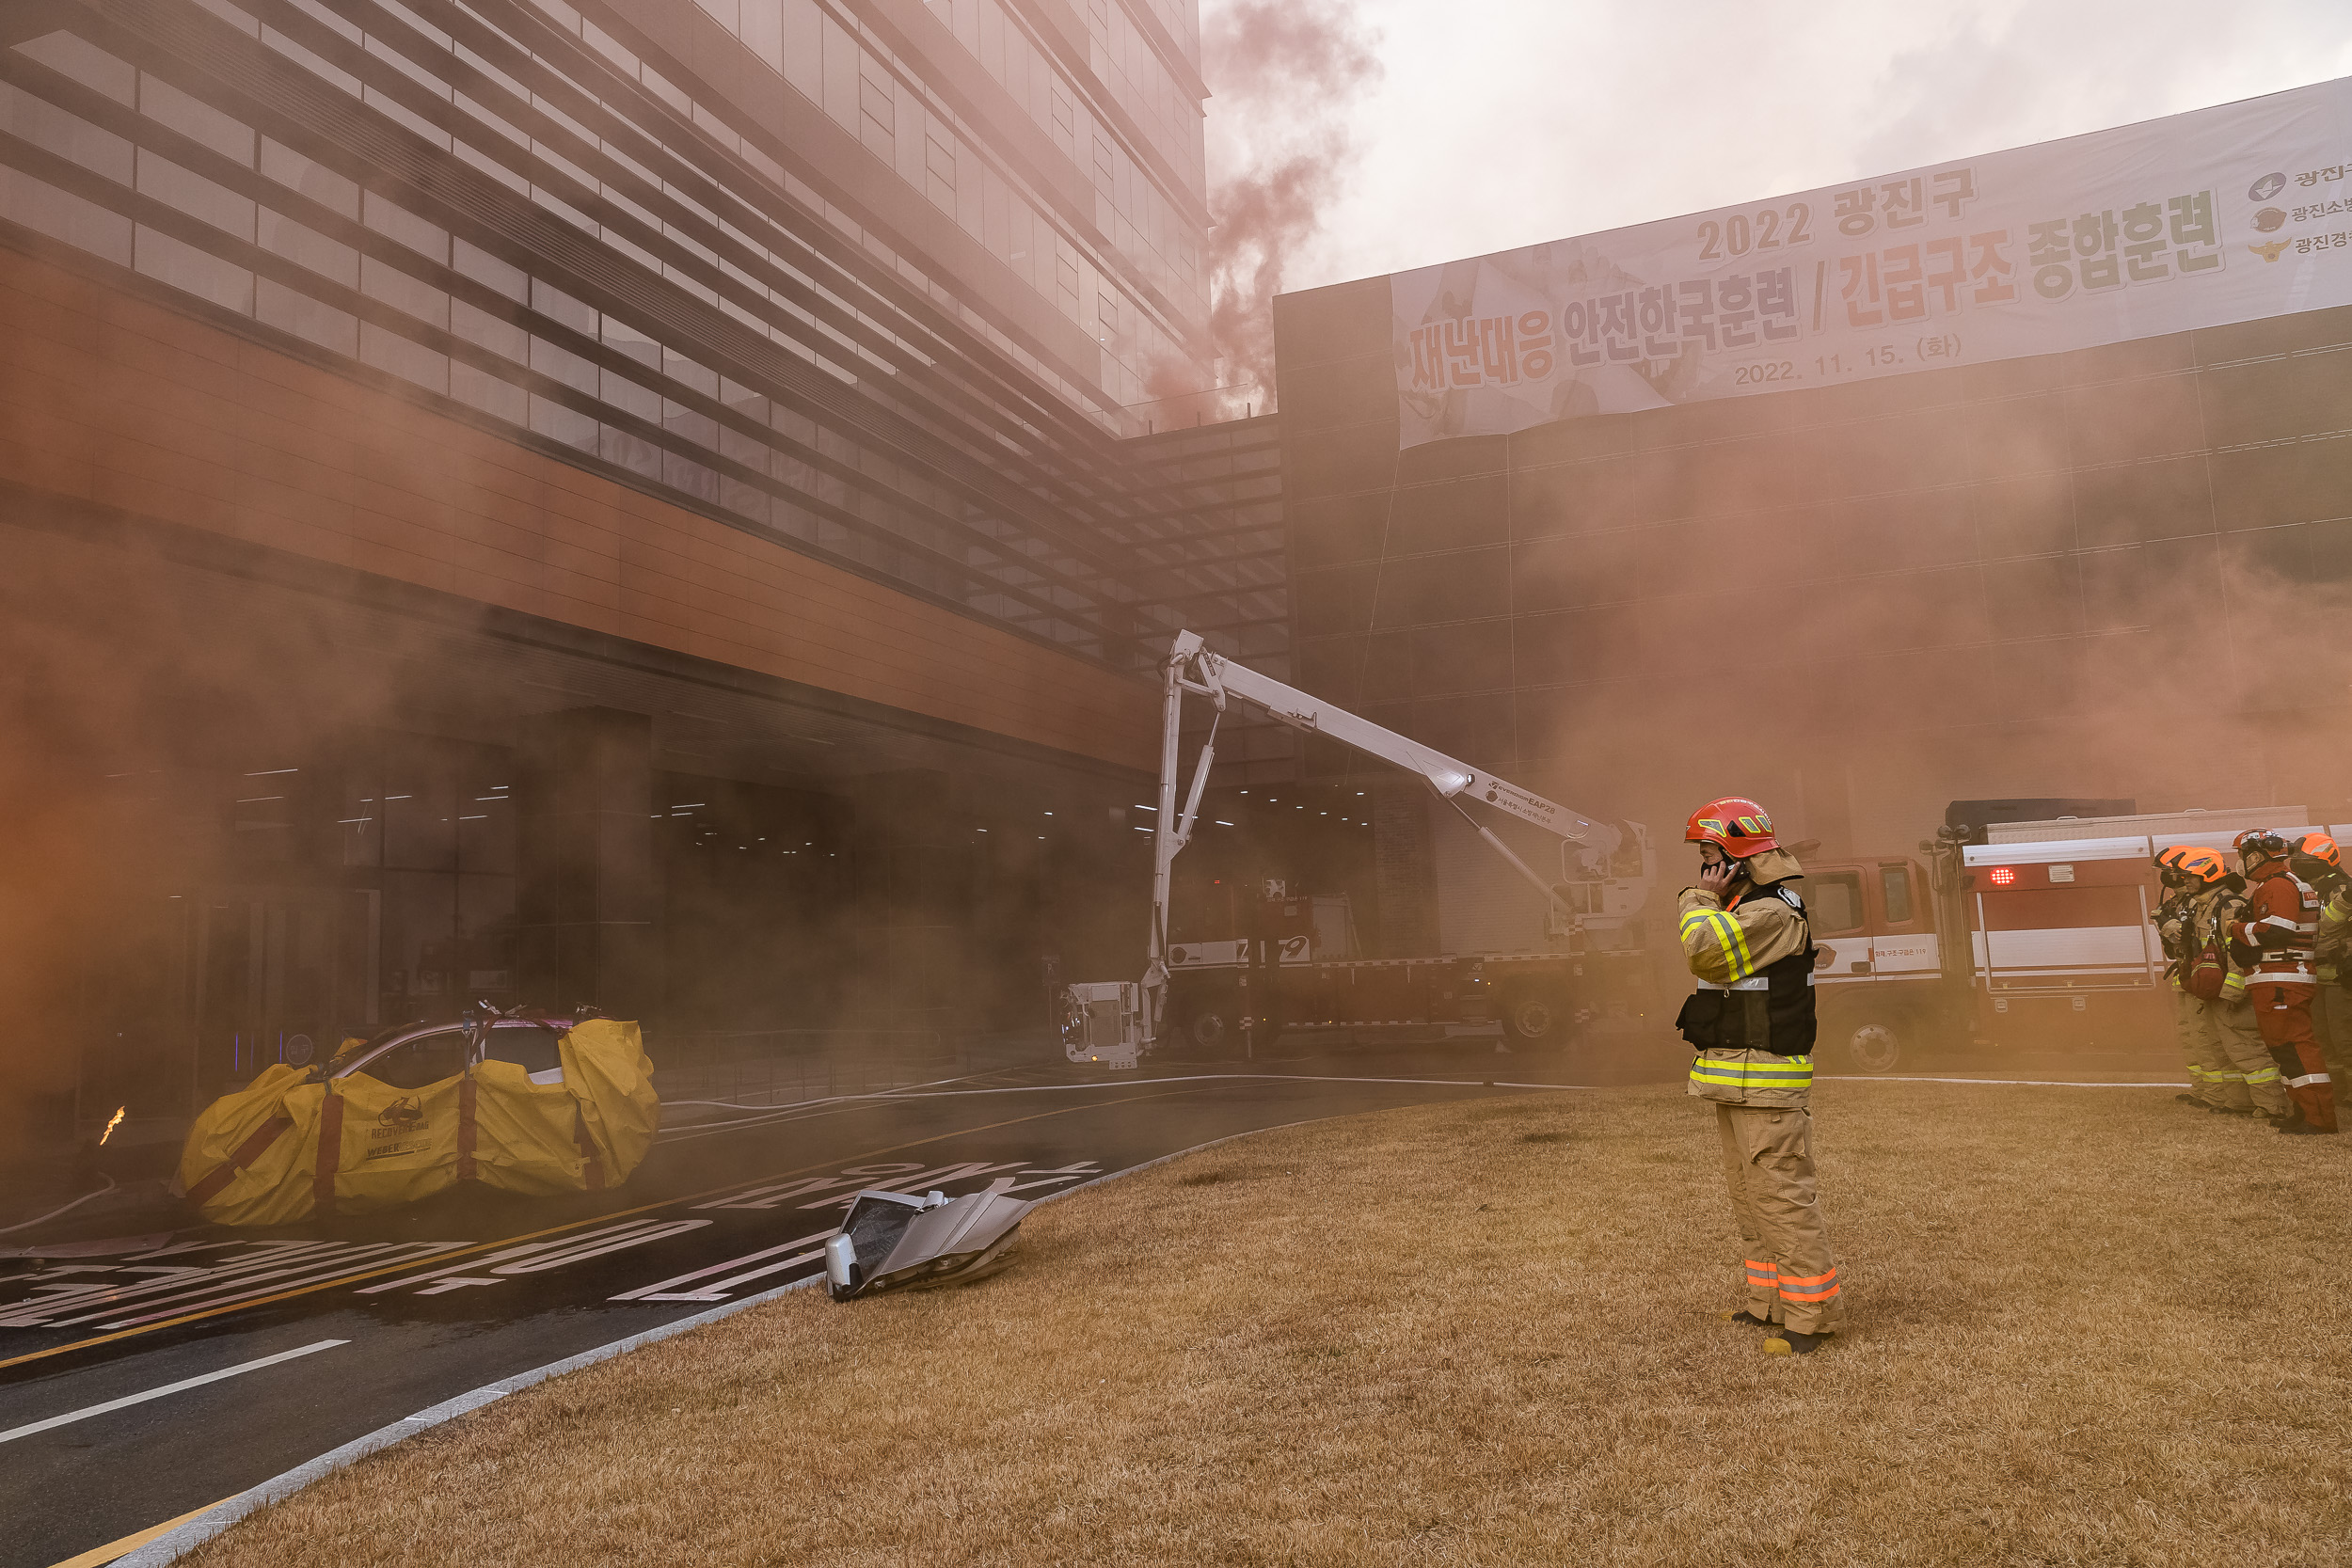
{"type": "Point", "coordinates": [1280, 150]}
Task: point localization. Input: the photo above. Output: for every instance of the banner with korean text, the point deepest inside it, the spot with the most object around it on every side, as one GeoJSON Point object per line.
{"type": "Point", "coordinates": [2224, 214]}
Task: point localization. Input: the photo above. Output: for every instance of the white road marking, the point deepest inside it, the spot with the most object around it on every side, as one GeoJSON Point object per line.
{"type": "Point", "coordinates": [536, 1256]}
{"type": "Point", "coordinates": [765, 1117]}
{"type": "Point", "coordinates": [274, 1268]}
{"type": "Point", "coordinates": [85, 1414]}
{"type": "Point", "coordinates": [666, 1289]}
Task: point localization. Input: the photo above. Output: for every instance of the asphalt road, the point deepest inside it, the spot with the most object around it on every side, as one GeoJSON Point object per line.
{"type": "Point", "coordinates": [165, 1379]}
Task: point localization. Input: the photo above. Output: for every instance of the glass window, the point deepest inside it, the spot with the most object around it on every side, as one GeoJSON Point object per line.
{"type": "Point", "coordinates": [1835, 901]}
{"type": "Point", "coordinates": [529, 1046]}
{"type": "Point", "coordinates": [1895, 883]}
{"type": "Point", "coordinates": [423, 1062]}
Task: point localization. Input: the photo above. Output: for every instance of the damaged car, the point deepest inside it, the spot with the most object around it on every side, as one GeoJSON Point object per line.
{"type": "Point", "coordinates": [518, 1101]}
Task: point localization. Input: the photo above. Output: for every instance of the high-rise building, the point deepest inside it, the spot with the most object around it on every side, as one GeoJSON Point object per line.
{"type": "Point", "coordinates": [569, 448]}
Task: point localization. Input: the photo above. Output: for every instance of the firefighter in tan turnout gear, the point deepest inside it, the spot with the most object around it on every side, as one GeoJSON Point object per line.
{"type": "Point", "coordinates": [2228, 1063]}
{"type": "Point", "coordinates": [2214, 1085]}
{"type": "Point", "coordinates": [2318, 862]}
{"type": "Point", "coordinates": [2217, 977]}
{"type": "Point", "coordinates": [1745, 934]}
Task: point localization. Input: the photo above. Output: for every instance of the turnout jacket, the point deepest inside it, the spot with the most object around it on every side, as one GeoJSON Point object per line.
{"type": "Point", "coordinates": [2210, 914]}
{"type": "Point", "coordinates": [2281, 918]}
{"type": "Point", "coordinates": [2334, 948]}
{"type": "Point", "coordinates": [1752, 1018]}
{"type": "Point", "coordinates": [2172, 922]}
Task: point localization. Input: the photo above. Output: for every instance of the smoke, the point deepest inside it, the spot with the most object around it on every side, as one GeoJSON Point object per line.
{"type": "Point", "coordinates": [1281, 147]}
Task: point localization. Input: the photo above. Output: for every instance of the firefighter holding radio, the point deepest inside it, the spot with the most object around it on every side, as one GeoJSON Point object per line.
{"type": "Point", "coordinates": [1748, 942]}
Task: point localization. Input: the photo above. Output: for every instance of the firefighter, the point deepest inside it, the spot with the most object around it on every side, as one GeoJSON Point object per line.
{"type": "Point", "coordinates": [2278, 926]}
{"type": "Point", "coordinates": [2233, 1049]}
{"type": "Point", "coordinates": [2318, 863]}
{"type": "Point", "coordinates": [2213, 1083]}
{"type": "Point", "coordinates": [1746, 937]}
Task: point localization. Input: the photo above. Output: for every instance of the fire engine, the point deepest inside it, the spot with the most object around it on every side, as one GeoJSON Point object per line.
{"type": "Point", "coordinates": [2001, 935]}
{"type": "Point", "coordinates": [1298, 969]}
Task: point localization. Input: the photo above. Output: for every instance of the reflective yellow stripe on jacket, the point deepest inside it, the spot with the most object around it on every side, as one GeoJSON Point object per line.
{"type": "Point", "coordinates": [1780, 1073]}
{"type": "Point", "coordinates": [1731, 944]}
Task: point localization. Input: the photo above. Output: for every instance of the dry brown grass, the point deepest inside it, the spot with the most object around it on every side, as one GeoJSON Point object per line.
{"type": "Point", "coordinates": [2086, 1327]}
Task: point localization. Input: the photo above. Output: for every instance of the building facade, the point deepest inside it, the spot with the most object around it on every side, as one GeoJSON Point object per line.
{"type": "Point", "coordinates": [662, 504]}
{"type": "Point", "coordinates": [2111, 573]}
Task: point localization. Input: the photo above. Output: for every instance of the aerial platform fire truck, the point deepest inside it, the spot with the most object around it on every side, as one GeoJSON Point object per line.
{"type": "Point", "coordinates": [2022, 933]}
{"type": "Point", "coordinates": [1298, 970]}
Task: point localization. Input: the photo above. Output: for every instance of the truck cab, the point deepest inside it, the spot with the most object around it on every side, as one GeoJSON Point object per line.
{"type": "Point", "coordinates": [1878, 960]}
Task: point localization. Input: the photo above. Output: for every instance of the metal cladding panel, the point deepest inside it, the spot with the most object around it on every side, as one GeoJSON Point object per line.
{"type": "Point", "coordinates": [2056, 953]}
{"type": "Point", "coordinates": [2049, 853]}
{"type": "Point", "coordinates": [2214, 829]}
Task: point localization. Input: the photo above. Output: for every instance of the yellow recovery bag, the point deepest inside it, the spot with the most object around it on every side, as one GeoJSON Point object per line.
{"type": "Point", "coordinates": [286, 1147]}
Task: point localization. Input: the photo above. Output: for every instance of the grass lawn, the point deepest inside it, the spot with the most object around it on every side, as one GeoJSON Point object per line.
{"type": "Point", "coordinates": [2084, 1326]}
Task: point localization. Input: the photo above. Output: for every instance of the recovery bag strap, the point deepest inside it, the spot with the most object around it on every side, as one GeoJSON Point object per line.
{"type": "Point", "coordinates": [467, 1126]}
{"type": "Point", "coordinates": [247, 1152]}
{"type": "Point", "coordinates": [330, 1151]}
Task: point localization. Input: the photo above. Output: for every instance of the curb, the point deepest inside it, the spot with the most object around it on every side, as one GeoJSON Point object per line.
{"type": "Point", "coordinates": [175, 1544]}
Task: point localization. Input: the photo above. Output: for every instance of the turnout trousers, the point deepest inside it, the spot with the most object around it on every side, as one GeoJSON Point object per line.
{"type": "Point", "coordinates": [2284, 1013]}
{"type": "Point", "coordinates": [2211, 1078]}
{"type": "Point", "coordinates": [1767, 1166]}
{"type": "Point", "coordinates": [2237, 1040]}
{"type": "Point", "coordinates": [2332, 1020]}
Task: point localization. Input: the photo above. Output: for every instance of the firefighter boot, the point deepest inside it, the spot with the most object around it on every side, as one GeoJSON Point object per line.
{"type": "Point", "coordinates": [1746, 1318]}
{"type": "Point", "coordinates": [1788, 1342]}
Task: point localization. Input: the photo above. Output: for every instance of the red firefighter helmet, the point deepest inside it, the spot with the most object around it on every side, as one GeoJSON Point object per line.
{"type": "Point", "coordinates": [2320, 846]}
{"type": "Point", "coordinates": [2206, 865]}
{"type": "Point", "coordinates": [2259, 844]}
{"type": "Point", "coordinates": [1735, 824]}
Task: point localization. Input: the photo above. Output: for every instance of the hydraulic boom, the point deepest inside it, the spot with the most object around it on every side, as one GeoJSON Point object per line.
{"type": "Point", "coordinates": [1114, 1023]}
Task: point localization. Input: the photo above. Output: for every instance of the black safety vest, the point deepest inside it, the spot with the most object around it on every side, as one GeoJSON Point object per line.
{"type": "Point", "coordinates": [1775, 1016]}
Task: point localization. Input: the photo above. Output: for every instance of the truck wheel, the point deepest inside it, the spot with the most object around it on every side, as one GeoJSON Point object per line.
{"type": "Point", "coordinates": [1875, 1043]}
{"type": "Point", "coordinates": [1531, 1016]}
{"type": "Point", "coordinates": [1207, 1028]}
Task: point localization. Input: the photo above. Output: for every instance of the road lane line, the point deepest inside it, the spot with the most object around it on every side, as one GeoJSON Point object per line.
{"type": "Point", "coordinates": [574, 1225]}
{"type": "Point", "coordinates": [660, 1290]}
{"type": "Point", "coordinates": [717, 1289]}
{"type": "Point", "coordinates": [97, 1557]}
{"type": "Point", "coordinates": [173, 1545]}
{"type": "Point", "coordinates": [88, 1411]}
{"type": "Point", "coordinates": [714, 1129]}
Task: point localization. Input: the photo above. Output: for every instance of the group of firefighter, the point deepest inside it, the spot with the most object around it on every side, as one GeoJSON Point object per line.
{"type": "Point", "coordinates": [2260, 963]}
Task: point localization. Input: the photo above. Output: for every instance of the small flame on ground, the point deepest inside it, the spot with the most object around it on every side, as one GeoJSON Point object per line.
{"type": "Point", "coordinates": [112, 1122]}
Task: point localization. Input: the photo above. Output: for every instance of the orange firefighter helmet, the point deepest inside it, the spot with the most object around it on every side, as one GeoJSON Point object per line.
{"type": "Point", "coordinates": [2206, 865]}
{"type": "Point", "coordinates": [1735, 824]}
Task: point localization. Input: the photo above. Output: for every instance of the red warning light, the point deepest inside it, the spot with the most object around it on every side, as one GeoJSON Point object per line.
{"type": "Point", "coordinates": [2001, 876]}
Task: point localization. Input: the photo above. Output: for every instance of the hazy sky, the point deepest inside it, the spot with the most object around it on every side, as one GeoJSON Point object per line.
{"type": "Point", "coordinates": [1497, 124]}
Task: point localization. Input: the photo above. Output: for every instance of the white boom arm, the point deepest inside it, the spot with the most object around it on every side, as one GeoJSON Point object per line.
{"type": "Point", "coordinates": [1191, 667]}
